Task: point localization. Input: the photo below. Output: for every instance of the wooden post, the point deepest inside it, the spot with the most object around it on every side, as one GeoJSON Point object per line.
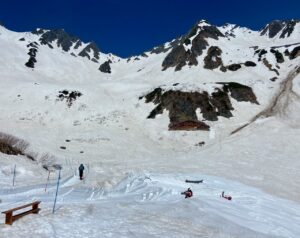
{"type": "Point", "coordinates": [35, 207]}
{"type": "Point", "coordinates": [8, 218]}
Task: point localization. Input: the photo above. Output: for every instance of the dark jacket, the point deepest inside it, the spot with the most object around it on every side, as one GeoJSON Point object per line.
{"type": "Point", "coordinates": [81, 167]}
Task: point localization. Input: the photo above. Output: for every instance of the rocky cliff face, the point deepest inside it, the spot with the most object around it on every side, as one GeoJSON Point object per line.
{"type": "Point", "coordinates": [185, 50]}
{"type": "Point", "coordinates": [63, 39]}
{"type": "Point", "coordinates": [66, 42]}
{"type": "Point", "coordinates": [190, 46]}
{"type": "Point", "coordinates": [33, 49]}
{"type": "Point", "coordinates": [285, 28]}
{"type": "Point", "coordinates": [213, 60]}
{"type": "Point", "coordinates": [182, 106]}
{"type": "Point", "coordinates": [91, 47]}
{"type": "Point", "coordinates": [105, 67]}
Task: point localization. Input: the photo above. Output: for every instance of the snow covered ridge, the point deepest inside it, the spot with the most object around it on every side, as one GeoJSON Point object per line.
{"type": "Point", "coordinates": [187, 49]}
{"type": "Point", "coordinates": [45, 47]}
{"type": "Point", "coordinates": [69, 43]}
{"type": "Point", "coordinates": [225, 48]}
{"type": "Point", "coordinates": [281, 29]}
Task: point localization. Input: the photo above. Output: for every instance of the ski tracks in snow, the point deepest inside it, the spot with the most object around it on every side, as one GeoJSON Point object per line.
{"type": "Point", "coordinates": [158, 195]}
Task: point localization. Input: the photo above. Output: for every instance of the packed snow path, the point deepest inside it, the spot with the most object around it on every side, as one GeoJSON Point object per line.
{"type": "Point", "coordinates": [150, 205]}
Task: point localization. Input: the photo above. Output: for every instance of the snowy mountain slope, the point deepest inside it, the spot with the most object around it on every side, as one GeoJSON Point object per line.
{"type": "Point", "coordinates": [71, 112]}
{"type": "Point", "coordinates": [49, 52]}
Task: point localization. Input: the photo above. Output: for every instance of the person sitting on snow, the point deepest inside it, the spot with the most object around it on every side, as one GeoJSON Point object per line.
{"type": "Point", "coordinates": [188, 193]}
{"type": "Point", "coordinates": [81, 168]}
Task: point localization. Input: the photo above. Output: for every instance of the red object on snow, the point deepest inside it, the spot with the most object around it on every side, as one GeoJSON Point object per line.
{"type": "Point", "coordinates": [226, 196]}
{"type": "Point", "coordinates": [188, 193]}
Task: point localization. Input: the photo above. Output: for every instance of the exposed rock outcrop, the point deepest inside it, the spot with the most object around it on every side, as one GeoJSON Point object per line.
{"type": "Point", "coordinates": [33, 49]}
{"type": "Point", "coordinates": [164, 48]}
{"type": "Point", "coordinates": [30, 63]}
{"type": "Point", "coordinates": [272, 28]}
{"type": "Point", "coordinates": [278, 55]}
{"type": "Point", "coordinates": [285, 27]}
{"type": "Point", "coordinates": [249, 64]}
{"type": "Point", "coordinates": [90, 47]}
{"type": "Point", "coordinates": [223, 68]}
{"type": "Point", "coordinates": [195, 41]}
{"type": "Point", "coordinates": [70, 97]}
{"type": "Point", "coordinates": [234, 67]}
{"type": "Point", "coordinates": [189, 126]}
{"type": "Point", "coordinates": [295, 53]}
{"type": "Point", "coordinates": [260, 53]}
{"type": "Point", "coordinates": [269, 66]}
{"type": "Point", "coordinates": [273, 79]}
{"type": "Point", "coordinates": [64, 40]}
{"type": "Point", "coordinates": [178, 57]}
{"type": "Point", "coordinates": [213, 59]}
{"type": "Point", "coordinates": [105, 67]}
{"type": "Point", "coordinates": [182, 106]}
{"type": "Point", "coordinates": [289, 28]}
{"type": "Point", "coordinates": [240, 92]}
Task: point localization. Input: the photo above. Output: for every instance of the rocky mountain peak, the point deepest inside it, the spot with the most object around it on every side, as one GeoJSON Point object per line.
{"type": "Point", "coordinates": [64, 40]}
{"type": "Point", "coordinates": [283, 27]}
{"type": "Point", "coordinates": [228, 28]}
{"type": "Point", "coordinates": [89, 48]}
{"type": "Point", "coordinates": [67, 41]}
{"type": "Point", "coordinates": [203, 22]}
{"type": "Point", "coordinates": [191, 45]}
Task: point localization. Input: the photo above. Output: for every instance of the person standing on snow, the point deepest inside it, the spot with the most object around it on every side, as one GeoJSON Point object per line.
{"type": "Point", "coordinates": [81, 168]}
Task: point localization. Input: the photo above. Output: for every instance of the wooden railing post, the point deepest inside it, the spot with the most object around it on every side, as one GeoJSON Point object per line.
{"type": "Point", "coordinates": [35, 206]}
{"type": "Point", "coordinates": [8, 218]}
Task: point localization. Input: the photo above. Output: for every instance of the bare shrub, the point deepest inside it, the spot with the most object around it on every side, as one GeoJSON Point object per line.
{"type": "Point", "coordinates": [48, 162]}
{"type": "Point", "coordinates": [12, 145]}
{"type": "Point", "coordinates": [32, 155]}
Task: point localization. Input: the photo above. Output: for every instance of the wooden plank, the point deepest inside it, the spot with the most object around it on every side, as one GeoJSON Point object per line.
{"type": "Point", "coordinates": [21, 207]}
{"type": "Point", "coordinates": [194, 181]}
{"type": "Point", "coordinates": [15, 217]}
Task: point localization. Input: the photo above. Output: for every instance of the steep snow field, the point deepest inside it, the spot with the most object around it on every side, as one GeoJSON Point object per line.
{"type": "Point", "coordinates": [136, 167]}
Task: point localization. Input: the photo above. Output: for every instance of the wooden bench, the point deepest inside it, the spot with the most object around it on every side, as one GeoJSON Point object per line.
{"type": "Point", "coordinates": [10, 218]}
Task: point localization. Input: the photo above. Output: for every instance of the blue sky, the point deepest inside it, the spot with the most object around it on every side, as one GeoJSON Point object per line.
{"type": "Point", "coordinates": [130, 27]}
